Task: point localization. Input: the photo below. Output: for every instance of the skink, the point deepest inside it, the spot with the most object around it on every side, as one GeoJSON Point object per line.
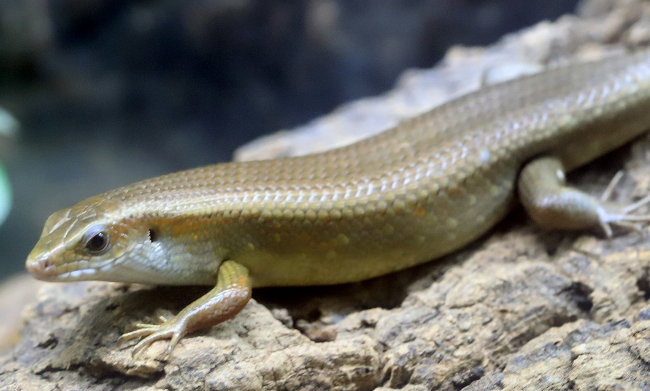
{"type": "Point", "coordinates": [406, 196]}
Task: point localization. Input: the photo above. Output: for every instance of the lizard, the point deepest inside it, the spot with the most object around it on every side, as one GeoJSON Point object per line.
{"type": "Point", "coordinates": [411, 194]}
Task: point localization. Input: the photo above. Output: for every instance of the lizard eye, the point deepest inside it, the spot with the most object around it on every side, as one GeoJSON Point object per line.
{"type": "Point", "coordinates": [96, 240]}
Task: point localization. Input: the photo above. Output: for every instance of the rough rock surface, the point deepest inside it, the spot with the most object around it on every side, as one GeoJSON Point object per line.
{"type": "Point", "coordinates": [521, 309]}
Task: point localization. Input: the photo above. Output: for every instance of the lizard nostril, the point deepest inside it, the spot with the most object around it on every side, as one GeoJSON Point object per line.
{"type": "Point", "coordinates": [39, 266]}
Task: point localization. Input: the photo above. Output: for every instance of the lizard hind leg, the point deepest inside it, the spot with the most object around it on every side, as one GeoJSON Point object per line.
{"type": "Point", "coordinates": [555, 205]}
{"type": "Point", "coordinates": [224, 301]}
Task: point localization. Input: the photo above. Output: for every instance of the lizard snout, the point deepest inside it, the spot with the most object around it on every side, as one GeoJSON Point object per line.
{"type": "Point", "coordinates": [40, 266]}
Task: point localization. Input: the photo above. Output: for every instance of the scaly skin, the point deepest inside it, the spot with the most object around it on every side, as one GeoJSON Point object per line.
{"type": "Point", "coordinates": [408, 195]}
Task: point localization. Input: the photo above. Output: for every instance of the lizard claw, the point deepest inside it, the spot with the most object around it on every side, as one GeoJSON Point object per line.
{"type": "Point", "coordinates": [609, 190]}
{"type": "Point", "coordinates": [611, 214]}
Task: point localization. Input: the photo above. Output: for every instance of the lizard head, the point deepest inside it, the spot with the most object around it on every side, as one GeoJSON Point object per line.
{"type": "Point", "coordinates": [84, 242]}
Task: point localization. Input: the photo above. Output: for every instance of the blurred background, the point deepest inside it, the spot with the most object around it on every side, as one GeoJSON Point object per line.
{"type": "Point", "coordinates": [101, 93]}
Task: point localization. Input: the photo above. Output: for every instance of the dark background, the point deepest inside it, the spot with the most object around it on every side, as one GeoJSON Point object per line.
{"type": "Point", "coordinates": [113, 91]}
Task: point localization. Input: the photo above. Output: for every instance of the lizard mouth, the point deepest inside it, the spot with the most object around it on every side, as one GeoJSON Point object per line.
{"type": "Point", "coordinates": [75, 275]}
{"type": "Point", "coordinates": [44, 269]}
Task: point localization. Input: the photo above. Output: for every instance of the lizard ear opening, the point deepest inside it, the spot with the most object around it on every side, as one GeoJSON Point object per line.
{"type": "Point", "coordinates": [153, 235]}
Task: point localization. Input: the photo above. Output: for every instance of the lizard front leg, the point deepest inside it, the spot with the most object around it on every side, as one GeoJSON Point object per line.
{"type": "Point", "coordinates": [225, 300]}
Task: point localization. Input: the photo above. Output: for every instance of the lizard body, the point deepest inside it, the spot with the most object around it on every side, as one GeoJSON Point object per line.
{"type": "Point", "coordinates": [408, 195]}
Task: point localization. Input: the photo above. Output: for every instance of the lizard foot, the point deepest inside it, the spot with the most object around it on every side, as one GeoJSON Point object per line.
{"type": "Point", "coordinates": [225, 300]}
{"type": "Point", "coordinates": [611, 214]}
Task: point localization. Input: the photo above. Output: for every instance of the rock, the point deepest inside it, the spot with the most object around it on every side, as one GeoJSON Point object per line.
{"type": "Point", "coordinates": [521, 309]}
{"type": "Point", "coordinates": [15, 293]}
